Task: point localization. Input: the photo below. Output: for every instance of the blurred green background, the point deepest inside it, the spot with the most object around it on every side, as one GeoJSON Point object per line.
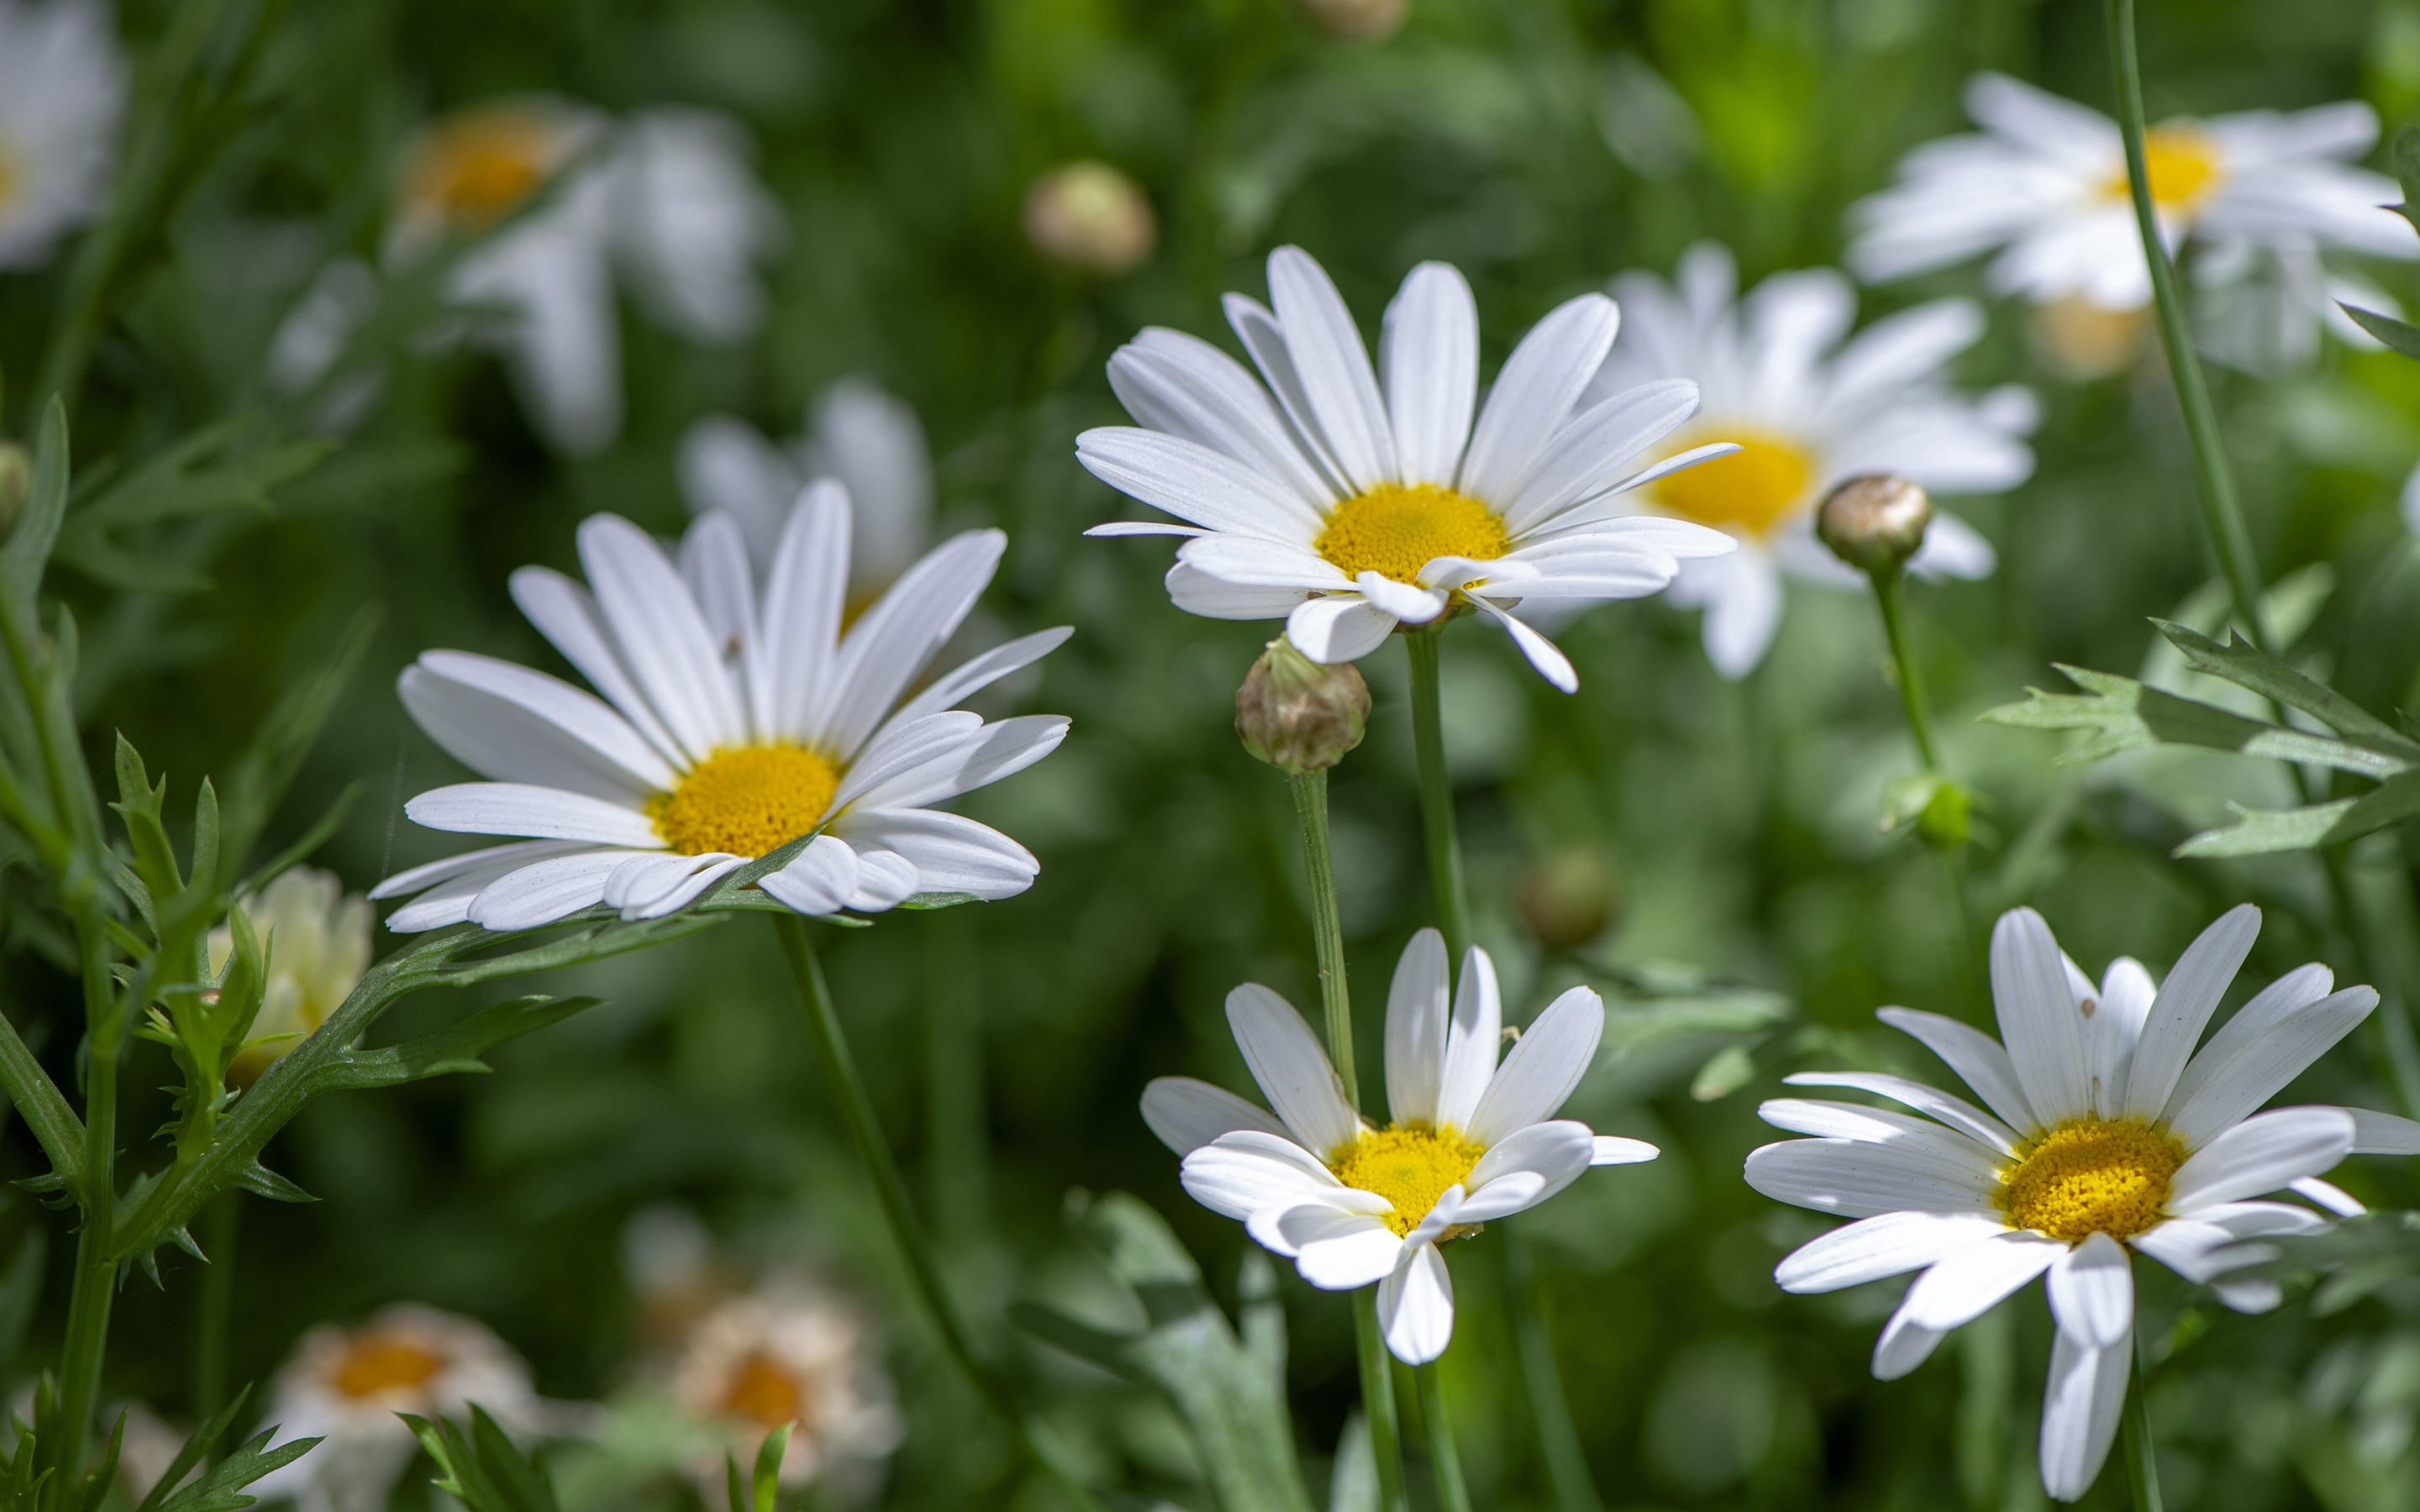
{"type": "Point", "coordinates": [1724, 836]}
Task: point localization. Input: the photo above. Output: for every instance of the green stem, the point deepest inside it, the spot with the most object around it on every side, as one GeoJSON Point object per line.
{"type": "Point", "coordinates": [222, 1225]}
{"type": "Point", "coordinates": [1452, 1494]}
{"type": "Point", "coordinates": [1437, 799]}
{"type": "Point", "coordinates": [2222, 513]}
{"type": "Point", "coordinates": [957, 1187]}
{"type": "Point", "coordinates": [1327, 930]}
{"type": "Point", "coordinates": [883, 1170]}
{"type": "Point", "coordinates": [2142, 1465]}
{"type": "Point", "coordinates": [1379, 1403]}
{"type": "Point", "coordinates": [1559, 1440]}
{"type": "Point", "coordinates": [1890, 594]}
{"type": "Point", "coordinates": [96, 1273]}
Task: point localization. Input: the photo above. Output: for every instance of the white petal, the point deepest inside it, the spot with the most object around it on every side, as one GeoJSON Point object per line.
{"type": "Point", "coordinates": [805, 595]}
{"type": "Point", "coordinates": [2114, 1027]}
{"type": "Point", "coordinates": [2256, 1068]}
{"type": "Point", "coordinates": [725, 464]}
{"type": "Point", "coordinates": [1975, 1056]}
{"type": "Point", "coordinates": [2039, 1018]}
{"type": "Point", "coordinates": [714, 564]}
{"type": "Point", "coordinates": [541, 813]}
{"type": "Point", "coordinates": [889, 647]}
{"type": "Point", "coordinates": [1416, 1307]}
{"type": "Point", "coordinates": [1859, 1180]}
{"type": "Point", "coordinates": [2261, 1155]}
{"type": "Point", "coordinates": [1337, 381]}
{"type": "Point", "coordinates": [1292, 1070]}
{"type": "Point", "coordinates": [545, 891]}
{"type": "Point", "coordinates": [1543, 654]}
{"type": "Point", "coordinates": [1429, 351]}
{"type": "Point", "coordinates": [1543, 1068]}
{"type": "Point", "coordinates": [2080, 1407]}
{"type": "Point", "coordinates": [663, 639]}
{"type": "Point", "coordinates": [566, 614]}
{"type": "Point", "coordinates": [885, 879]}
{"type": "Point", "coordinates": [1887, 1244]}
{"type": "Point", "coordinates": [2328, 1195]}
{"type": "Point", "coordinates": [1903, 1347]}
{"type": "Point", "coordinates": [1178, 383]}
{"type": "Point", "coordinates": [2186, 1000]}
{"type": "Point", "coordinates": [1195, 483]}
{"type": "Point", "coordinates": [1585, 459]}
{"type": "Point", "coordinates": [1526, 1170]}
{"type": "Point", "coordinates": [1963, 1287]}
{"type": "Point", "coordinates": [1954, 1111]}
{"type": "Point", "coordinates": [1213, 598]}
{"type": "Point", "coordinates": [1611, 1150]}
{"type": "Point", "coordinates": [951, 852]}
{"type": "Point", "coordinates": [952, 687]}
{"type": "Point", "coordinates": [1339, 1251]}
{"type": "Point", "coordinates": [1882, 1126]}
{"type": "Point", "coordinates": [2252, 1023]}
{"type": "Point", "coordinates": [1418, 1006]}
{"type": "Point", "coordinates": [515, 725]}
{"type": "Point", "coordinates": [1473, 1038]}
{"type": "Point", "coordinates": [505, 857]}
{"type": "Point", "coordinates": [2384, 1133]}
{"type": "Point", "coordinates": [1400, 601]}
{"type": "Point", "coordinates": [1535, 391]}
{"type": "Point", "coordinates": [1187, 1114]}
{"type": "Point", "coordinates": [1338, 627]}
{"type": "Point", "coordinates": [2092, 1292]}
{"type": "Point", "coordinates": [818, 880]}
{"type": "Point", "coordinates": [448, 898]}
{"type": "Point", "coordinates": [1245, 1172]}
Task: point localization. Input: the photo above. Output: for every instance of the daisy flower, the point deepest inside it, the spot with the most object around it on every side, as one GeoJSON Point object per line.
{"type": "Point", "coordinates": [62, 94]}
{"type": "Point", "coordinates": [2044, 186]}
{"type": "Point", "coordinates": [345, 1386]}
{"type": "Point", "coordinates": [855, 433]}
{"type": "Point", "coordinates": [1810, 407]}
{"type": "Point", "coordinates": [1352, 1204]}
{"type": "Point", "coordinates": [1349, 505]}
{"type": "Point", "coordinates": [2106, 1133]}
{"type": "Point", "coordinates": [788, 1352]}
{"type": "Point", "coordinates": [667, 197]}
{"type": "Point", "coordinates": [319, 945]}
{"type": "Point", "coordinates": [731, 724]}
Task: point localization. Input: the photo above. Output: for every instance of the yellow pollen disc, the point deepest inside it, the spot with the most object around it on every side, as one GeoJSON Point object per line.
{"type": "Point", "coordinates": [2182, 164]}
{"type": "Point", "coordinates": [764, 1394]}
{"type": "Point", "coordinates": [1410, 1164]}
{"type": "Point", "coordinates": [2092, 1176]}
{"type": "Point", "coordinates": [477, 166]}
{"type": "Point", "coordinates": [1396, 529]}
{"type": "Point", "coordinates": [746, 802]}
{"type": "Point", "coordinates": [376, 1363]}
{"type": "Point", "coordinates": [1747, 492]}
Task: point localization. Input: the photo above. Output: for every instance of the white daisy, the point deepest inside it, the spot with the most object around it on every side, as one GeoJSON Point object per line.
{"type": "Point", "coordinates": [856, 434]}
{"type": "Point", "coordinates": [319, 946]}
{"type": "Point", "coordinates": [730, 725]}
{"type": "Point", "coordinates": [788, 1352]}
{"type": "Point", "coordinates": [1352, 1204]}
{"type": "Point", "coordinates": [1810, 407]}
{"type": "Point", "coordinates": [2106, 1133]}
{"type": "Point", "coordinates": [2045, 186]}
{"type": "Point", "coordinates": [62, 94]}
{"type": "Point", "coordinates": [345, 1385]}
{"type": "Point", "coordinates": [667, 196]}
{"type": "Point", "coordinates": [1347, 507]}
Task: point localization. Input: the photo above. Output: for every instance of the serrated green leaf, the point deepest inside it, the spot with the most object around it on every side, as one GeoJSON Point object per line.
{"type": "Point", "coordinates": [196, 1446]}
{"type": "Point", "coordinates": [455, 1050]}
{"type": "Point", "coordinates": [2248, 667]}
{"type": "Point", "coordinates": [221, 1487]}
{"type": "Point", "coordinates": [2261, 831]}
{"type": "Point", "coordinates": [2119, 714]}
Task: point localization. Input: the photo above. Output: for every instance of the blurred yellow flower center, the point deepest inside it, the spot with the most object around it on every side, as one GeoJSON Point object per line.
{"type": "Point", "coordinates": [1747, 491]}
{"type": "Point", "coordinates": [1396, 529]}
{"type": "Point", "coordinates": [1410, 1164]}
{"type": "Point", "coordinates": [377, 1362]}
{"type": "Point", "coordinates": [480, 164]}
{"type": "Point", "coordinates": [764, 1394]}
{"type": "Point", "coordinates": [746, 802]}
{"type": "Point", "coordinates": [2182, 163]}
{"type": "Point", "coordinates": [11, 178]}
{"type": "Point", "coordinates": [2092, 1176]}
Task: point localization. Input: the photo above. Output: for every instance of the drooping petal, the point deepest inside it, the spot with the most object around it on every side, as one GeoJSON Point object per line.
{"type": "Point", "coordinates": [1339, 1251]}
{"type": "Point", "coordinates": [545, 891]}
{"type": "Point", "coordinates": [1416, 1306]}
{"type": "Point", "coordinates": [2080, 1407]}
{"type": "Point", "coordinates": [1964, 1286]}
{"type": "Point", "coordinates": [818, 880]}
{"type": "Point", "coordinates": [2092, 1292]}
{"type": "Point", "coordinates": [1903, 1347]}
{"type": "Point", "coordinates": [1338, 627]}
{"type": "Point", "coordinates": [1543, 654]}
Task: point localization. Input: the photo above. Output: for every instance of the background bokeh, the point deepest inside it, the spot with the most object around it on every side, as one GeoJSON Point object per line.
{"type": "Point", "coordinates": [1754, 913]}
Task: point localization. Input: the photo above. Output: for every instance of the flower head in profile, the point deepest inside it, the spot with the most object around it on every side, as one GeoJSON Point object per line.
{"type": "Point", "coordinates": [319, 945]}
{"type": "Point", "coordinates": [2107, 1136]}
{"type": "Point", "coordinates": [62, 95]}
{"type": "Point", "coordinates": [732, 722]}
{"type": "Point", "coordinates": [789, 1353]}
{"type": "Point", "coordinates": [856, 434]}
{"type": "Point", "coordinates": [1348, 500]}
{"type": "Point", "coordinates": [1809, 405]}
{"type": "Point", "coordinates": [1471, 1140]}
{"type": "Point", "coordinates": [2044, 186]}
{"type": "Point", "coordinates": [345, 1385]}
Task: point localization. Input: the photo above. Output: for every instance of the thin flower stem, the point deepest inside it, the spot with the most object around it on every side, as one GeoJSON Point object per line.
{"type": "Point", "coordinates": [2221, 512]}
{"type": "Point", "coordinates": [1891, 597]}
{"type": "Point", "coordinates": [874, 1154]}
{"type": "Point", "coordinates": [1379, 1403]}
{"type": "Point", "coordinates": [2142, 1465]}
{"type": "Point", "coordinates": [1437, 798]}
{"type": "Point", "coordinates": [222, 1225]}
{"type": "Point", "coordinates": [1557, 1439]}
{"type": "Point", "coordinates": [1452, 1494]}
{"type": "Point", "coordinates": [1327, 932]}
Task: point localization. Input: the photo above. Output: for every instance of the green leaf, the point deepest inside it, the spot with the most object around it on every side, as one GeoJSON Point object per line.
{"type": "Point", "coordinates": [2406, 154]}
{"type": "Point", "coordinates": [221, 468]}
{"type": "Point", "coordinates": [221, 1487]}
{"type": "Point", "coordinates": [28, 551]}
{"type": "Point", "coordinates": [1631, 1024]}
{"type": "Point", "coordinates": [2119, 714]}
{"type": "Point", "coordinates": [261, 775]}
{"type": "Point", "coordinates": [197, 1444]}
{"type": "Point", "coordinates": [2248, 667]}
{"type": "Point", "coordinates": [768, 1480]}
{"type": "Point", "coordinates": [2398, 335]}
{"type": "Point", "coordinates": [457, 1048]}
{"type": "Point", "coordinates": [2263, 830]}
{"type": "Point", "coordinates": [483, 1468]}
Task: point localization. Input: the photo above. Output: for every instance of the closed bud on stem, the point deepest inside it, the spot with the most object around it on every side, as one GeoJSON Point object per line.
{"type": "Point", "coordinates": [1570, 896]}
{"type": "Point", "coordinates": [1298, 715]}
{"type": "Point", "coordinates": [1092, 218]}
{"type": "Point", "coordinates": [1356, 21]}
{"type": "Point", "coordinates": [16, 485]}
{"type": "Point", "coordinates": [1874, 523]}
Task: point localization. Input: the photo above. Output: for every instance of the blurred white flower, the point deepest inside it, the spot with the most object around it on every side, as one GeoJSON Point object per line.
{"type": "Point", "coordinates": [2044, 185]}
{"type": "Point", "coordinates": [1353, 1205]}
{"type": "Point", "coordinates": [319, 945]}
{"type": "Point", "coordinates": [1348, 509]}
{"type": "Point", "coordinates": [729, 727]}
{"type": "Point", "coordinates": [788, 1352]}
{"type": "Point", "coordinates": [62, 95]}
{"type": "Point", "coordinates": [856, 434]}
{"type": "Point", "coordinates": [346, 1384]}
{"type": "Point", "coordinates": [1810, 407]}
{"type": "Point", "coordinates": [2107, 1135]}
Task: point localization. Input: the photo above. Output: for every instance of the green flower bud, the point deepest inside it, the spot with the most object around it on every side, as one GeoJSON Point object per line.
{"type": "Point", "coordinates": [1356, 21]}
{"type": "Point", "coordinates": [1298, 715]}
{"type": "Point", "coordinates": [1091, 218]}
{"type": "Point", "coordinates": [16, 485]}
{"type": "Point", "coordinates": [1874, 523]}
{"type": "Point", "coordinates": [1570, 896]}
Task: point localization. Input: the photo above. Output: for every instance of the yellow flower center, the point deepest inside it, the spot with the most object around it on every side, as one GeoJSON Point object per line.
{"type": "Point", "coordinates": [1747, 492]}
{"type": "Point", "coordinates": [764, 1394]}
{"type": "Point", "coordinates": [2092, 1176]}
{"type": "Point", "coordinates": [475, 168]}
{"type": "Point", "coordinates": [2182, 163]}
{"type": "Point", "coordinates": [750, 801]}
{"type": "Point", "coordinates": [1396, 529]}
{"type": "Point", "coordinates": [378, 1363]}
{"type": "Point", "coordinates": [1410, 1164]}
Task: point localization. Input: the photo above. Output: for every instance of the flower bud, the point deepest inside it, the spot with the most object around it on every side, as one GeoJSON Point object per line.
{"type": "Point", "coordinates": [1570, 896]}
{"type": "Point", "coordinates": [1356, 21]}
{"type": "Point", "coordinates": [1092, 218]}
{"type": "Point", "coordinates": [1874, 523]}
{"type": "Point", "coordinates": [1298, 715]}
{"type": "Point", "coordinates": [16, 485]}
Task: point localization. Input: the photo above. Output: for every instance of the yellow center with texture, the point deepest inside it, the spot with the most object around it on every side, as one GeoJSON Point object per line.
{"type": "Point", "coordinates": [2182, 164]}
{"type": "Point", "coordinates": [1747, 492]}
{"type": "Point", "coordinates": [750, 801]}
{"type": "Point", "coordinates": [478, 167]}
{"type": "Point", "coordinates": [1410, 1164]}
{"type": "Point", "coordinates": [2092, 1176]}
{"type": "Point", "coordinates": [1396, 529]}
{"type": "Point", "coordinates": [764, 1394]}
{"type": "Point", "coordinates": [375, 1364]}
